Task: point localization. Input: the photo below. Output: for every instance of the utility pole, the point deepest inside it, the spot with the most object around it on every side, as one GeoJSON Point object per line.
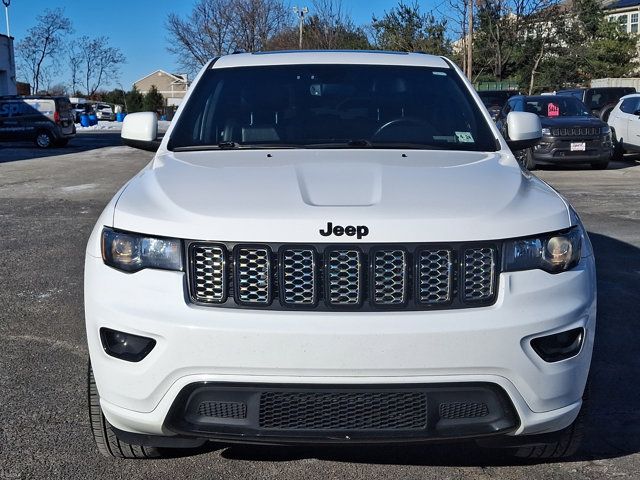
{"type": "Point", "coordinates": [301, 12]}
{"type": "Point", "coordinates": [6, 4]}
{"type": "Point", "coordinates": [469, 71]}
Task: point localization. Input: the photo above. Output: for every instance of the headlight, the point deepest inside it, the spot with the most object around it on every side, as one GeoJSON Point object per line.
{"type": "Point", "coordinates": [606, 129]}
{"type": "Point", "coordinates": [131, 252]}
{"type": "Point", "coordinates": [553, 253]}
{"type": "Point", "coordinates": [546, 131]}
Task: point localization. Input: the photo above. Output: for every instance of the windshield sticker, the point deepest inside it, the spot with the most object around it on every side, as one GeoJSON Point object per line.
{"type": "Point", "coordinates": [464, 137]}
{"type": "Point", "coordinates": [553, 110]}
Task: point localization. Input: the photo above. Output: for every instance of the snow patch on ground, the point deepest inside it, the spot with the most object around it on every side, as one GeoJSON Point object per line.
{"type": "Point", "coordinates": [115, 126]}
{"type": "Point", "coordinates": [79, 188]}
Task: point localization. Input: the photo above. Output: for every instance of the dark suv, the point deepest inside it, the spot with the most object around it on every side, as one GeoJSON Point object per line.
{"type": "Point", "coordinates": [494, 100]}
{"type": "Point", "coordinates": [599, 100]}
{"type": "Point", "coordinates": [570, 133]}
{"type": "Point", "coordinates": [47, 121]}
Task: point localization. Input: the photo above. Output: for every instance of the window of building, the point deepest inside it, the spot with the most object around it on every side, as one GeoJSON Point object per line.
{"type": "Point", "coordinates": [623, 20]}
{"type": "Point", "coordinates": [634, 23]}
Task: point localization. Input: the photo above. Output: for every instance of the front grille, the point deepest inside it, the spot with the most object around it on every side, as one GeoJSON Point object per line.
{"type": "Point", "coordinates": [344, 277]}
{"type": "Point", "coordinates": [479, 270]}
{"type": "Point", "coordinates": [253, 275]}
{"type": "Point", "coordinates": [435, 276]}
{"type": "Point", "coordinates": [327, 277]}
{"type": "Point", "coordinates": [389, 277]}
{"type": "Point", "coordinates": [343, 410]}
{"type": "Point", "coordinates": [575, 131]}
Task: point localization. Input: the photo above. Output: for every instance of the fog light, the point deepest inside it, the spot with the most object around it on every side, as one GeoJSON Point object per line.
{"type": "Point", "coordinates": [559, 346]}
{"type": "Point", "coordinates": [126, 346]}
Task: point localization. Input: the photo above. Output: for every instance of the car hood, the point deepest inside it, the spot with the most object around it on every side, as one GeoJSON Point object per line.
{"type": "Point", "coordinates": [289, 195]}
{"type": "Point", "coordinates": [571, 122]}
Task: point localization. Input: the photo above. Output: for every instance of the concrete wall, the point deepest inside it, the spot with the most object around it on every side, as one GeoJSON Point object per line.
{"type": "Point", "coordinates": [616, 82]}
{"type": "Point", "coordinates": [7, 66]}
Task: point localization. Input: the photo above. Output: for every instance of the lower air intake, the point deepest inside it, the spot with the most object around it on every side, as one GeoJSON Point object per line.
{"type": "Point", "coordinates": [463, 410]}
{"type": "Point", "coordinates": [236, 410]}
{"type": "Point", "coordinates": [343, 410]}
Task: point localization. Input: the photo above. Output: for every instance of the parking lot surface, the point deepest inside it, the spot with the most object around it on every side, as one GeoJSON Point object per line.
{"type": "Point", "coordinates": [49, 201]}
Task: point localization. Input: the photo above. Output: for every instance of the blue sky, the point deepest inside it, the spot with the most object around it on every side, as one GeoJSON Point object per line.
{"type": "Point", "coordinates": [137, 26]}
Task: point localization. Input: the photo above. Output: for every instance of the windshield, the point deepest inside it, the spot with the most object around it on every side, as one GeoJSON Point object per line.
{"type": "Point", "coordinates": [493, 99]}
{"type": "Point", "coordinates": [332, 106]}
{"type": "Point", "coordinates": [556, 106]}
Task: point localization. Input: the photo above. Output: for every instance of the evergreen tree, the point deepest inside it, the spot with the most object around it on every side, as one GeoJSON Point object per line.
{"type": "Point", "coordinates": [406, 28]}
{"type": "Point", "coordinates": [153, 100]}
{"type": "Point", "coordinates": [135, 100]}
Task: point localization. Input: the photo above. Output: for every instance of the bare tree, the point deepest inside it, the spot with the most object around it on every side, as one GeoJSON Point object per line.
{"type": "Point", "coordinates": [38, 51]}
{"type": "Point", "coordinates": [98, 63]}
{"type": "Point", "coordinates": [206, 33]}
{"type": "Point", "coordinates": [75, 62]}
{"type": "Point", "coordinates": [255, 21]}
{"type": "Point", "coordinates": [217, 27]}
{"type": "Point", "coordinates": [502, 29]}
{"type": "Point", "coordinates": [456, 12]}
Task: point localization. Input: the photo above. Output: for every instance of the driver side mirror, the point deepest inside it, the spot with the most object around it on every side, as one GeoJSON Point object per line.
{"type": "Point", "coordinates": [523, 130]}
{"type": "Point", "coordinates": [140, 130]}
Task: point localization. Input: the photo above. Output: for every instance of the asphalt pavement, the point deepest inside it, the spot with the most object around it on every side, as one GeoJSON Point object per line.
{"type": "Point", "coordinates": [49, 201]}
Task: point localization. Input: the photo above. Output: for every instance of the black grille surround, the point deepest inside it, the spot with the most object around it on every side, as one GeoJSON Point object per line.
{"type": "Point", "coordinates": [418, 276]}
{"type": "Point", "coordinates": [330, 413]}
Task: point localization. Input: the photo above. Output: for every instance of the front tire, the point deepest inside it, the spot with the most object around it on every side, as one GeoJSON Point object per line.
{"type": "Point", "coordinates": [529, 161]}
{"type": "Point", "coordinates": [106, 440]}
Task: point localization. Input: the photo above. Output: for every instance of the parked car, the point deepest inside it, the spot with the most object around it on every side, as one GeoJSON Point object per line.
{"type": "Point", "coordinates": [337, 247]}
{"type": "Point", "coordinates": [82, 110]}
{"type": "Point", "coordinates": [625, 125]}
{"type": "Point", "coordinates": [570, 133]}
{"type": "Point", "coordinates": [105, 112]}
{"type": "Point", "coordinates": [494, 100]}
{"type": "Point", "coordinates": [601, 100]}
{"type": "Point", "coordinates": [46, 120]}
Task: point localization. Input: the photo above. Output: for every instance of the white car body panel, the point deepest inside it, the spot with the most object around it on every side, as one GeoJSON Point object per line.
{"type": "Point", "coordinates": [286, 196]}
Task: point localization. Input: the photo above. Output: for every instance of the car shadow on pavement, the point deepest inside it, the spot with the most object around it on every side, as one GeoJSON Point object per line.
{"type": "Point", "coordinates": [613, 422]}
{"type": "Point", "coordinates": [16, 151]}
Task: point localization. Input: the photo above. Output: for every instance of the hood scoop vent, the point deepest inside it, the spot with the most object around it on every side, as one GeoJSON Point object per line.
{"type": "Point", "coordinates": [340, 184]}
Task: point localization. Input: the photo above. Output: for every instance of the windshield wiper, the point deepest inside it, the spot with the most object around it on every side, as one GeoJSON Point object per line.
{"type": "Point", "coordinates": [230, 145]}
{"type": "Point", "coordinates": [356, 143]}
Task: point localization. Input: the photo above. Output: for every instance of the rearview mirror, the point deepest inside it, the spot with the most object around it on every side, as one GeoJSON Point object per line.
{"type": "Point", "coordinates": [140, 130]}
{"type": "Point", "coordinates": [523, 130]}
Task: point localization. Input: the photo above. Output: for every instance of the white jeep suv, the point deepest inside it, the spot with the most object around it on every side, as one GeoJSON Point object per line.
{"type": "Point", "coordinates": [337, 247]}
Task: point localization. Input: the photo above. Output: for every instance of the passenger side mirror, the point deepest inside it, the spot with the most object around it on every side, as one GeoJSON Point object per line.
{"type": "Point", "coordinates": [140, 130]}
{"type": "Point", "coordinates": [523, 130]}
{"type": "Point", "coordinates": [637, 113]}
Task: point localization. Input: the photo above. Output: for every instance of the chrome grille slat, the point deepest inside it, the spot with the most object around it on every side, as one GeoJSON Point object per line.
{"type": "Point", "coordinates": [435, 276]}
{"type": "Point", "coordinates": [210, 281]}
{"type": "Point", "coordinates": [344, 275]}
{"type": "Point", "coordinates": [253, 275]}
{"type": "Point", "coordinates": [389, 277]}
{"type": "Point", "coordinates": [479, 273]}
{"type": "Point", "coordinates": [298, 278]}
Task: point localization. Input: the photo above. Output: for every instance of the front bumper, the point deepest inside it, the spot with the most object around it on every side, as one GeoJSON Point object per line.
{"type": "Point", "coordinates": [558, 150]}
{"type": "Point", "coordinates": [488, 345]}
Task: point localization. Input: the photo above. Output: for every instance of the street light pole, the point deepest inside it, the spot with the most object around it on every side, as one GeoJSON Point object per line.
{"type": "Point", "coordinates": [301, 12]}
{"type": "Point", "coordinates": [6, 4]}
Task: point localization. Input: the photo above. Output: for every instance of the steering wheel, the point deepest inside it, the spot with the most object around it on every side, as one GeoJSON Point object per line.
{"type": "Point", "coordinates": [402, 120]}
